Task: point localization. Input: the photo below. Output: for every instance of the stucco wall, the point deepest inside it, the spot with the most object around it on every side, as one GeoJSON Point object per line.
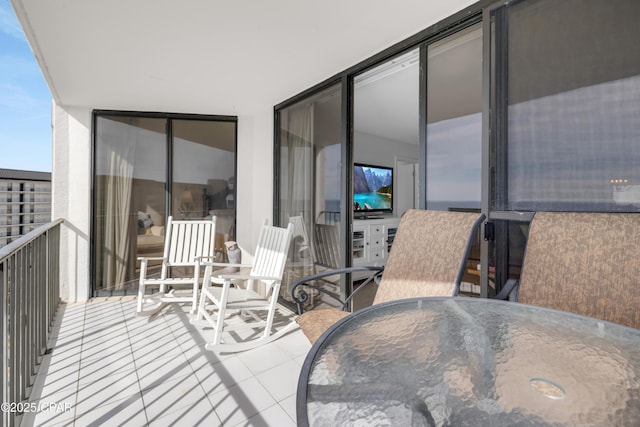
{"type": "Point", "coordinates": [71, 179]}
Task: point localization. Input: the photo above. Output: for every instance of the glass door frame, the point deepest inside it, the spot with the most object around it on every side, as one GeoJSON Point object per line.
{"type": "Point", "coordinates": [169, 117]}
{"type": "Point", "coordinates": [344, 83]}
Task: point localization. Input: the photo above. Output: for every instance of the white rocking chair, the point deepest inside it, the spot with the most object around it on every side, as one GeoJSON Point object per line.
{"type": "Point", "coordinates": [267, 267]}
{"type": "Point", "coordinates": [186, 242]}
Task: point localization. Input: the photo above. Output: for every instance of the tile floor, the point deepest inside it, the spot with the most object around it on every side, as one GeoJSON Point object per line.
{"type": "Point", "coordinates": [110, 367]}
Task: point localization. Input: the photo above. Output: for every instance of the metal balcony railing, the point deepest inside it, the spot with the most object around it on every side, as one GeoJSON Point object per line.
{"type": "Point", "coordinates": [29, 298]}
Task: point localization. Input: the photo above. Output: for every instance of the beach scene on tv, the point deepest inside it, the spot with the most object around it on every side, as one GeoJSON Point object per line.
{"type": "Point", "coordinates": [372, 188]}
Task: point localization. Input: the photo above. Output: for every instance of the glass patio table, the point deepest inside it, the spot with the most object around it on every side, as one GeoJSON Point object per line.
{"type": "Point", "coordinates": [470, 361]}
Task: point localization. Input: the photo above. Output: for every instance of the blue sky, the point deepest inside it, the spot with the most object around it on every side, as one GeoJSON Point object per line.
{"type": "Point", "coordinates": [25, 101]}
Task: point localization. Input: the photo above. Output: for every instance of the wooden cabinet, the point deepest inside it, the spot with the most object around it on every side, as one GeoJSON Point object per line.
{"type": "Point", "coordinates": [372, 240]}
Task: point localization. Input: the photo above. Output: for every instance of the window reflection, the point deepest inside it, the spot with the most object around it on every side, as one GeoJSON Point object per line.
{"type": "Point", "coordinates": [386, 124]}
{"type": "Point", "coordinates": [310, 160]}
{"type": "Point", "coordinates": [130, 201]}
{"type": "Point", "coordinates": [204, 174]}
{"type": "Point", "coordinates": [573, 112]}
{"type": "Point", "coordinates": [454, 121]}
{"type": "Point", "coordinates": [576, 150]}
{"type": "Point", "coordinates": [131, 189]}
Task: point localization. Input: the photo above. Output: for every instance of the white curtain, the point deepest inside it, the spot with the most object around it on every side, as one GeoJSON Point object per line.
{"type": "Point", "coordinates": [118, 230]}
{"type": "Point", "coordinates": [297, 189]}
{"type": "Point", "coordinates": [300, 161]}
{"type": "Point", "coordinates": [116, 222]}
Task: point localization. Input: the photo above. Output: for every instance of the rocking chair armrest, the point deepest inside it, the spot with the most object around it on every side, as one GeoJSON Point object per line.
{"type": "Point", "coordinates": [150, 258]}
{"type": "Point", "coordinates": [218, 264]}
{"type": "Point", "coordinates": [231, 276]}
{"type": "Point", "coordinates": [302, 295]}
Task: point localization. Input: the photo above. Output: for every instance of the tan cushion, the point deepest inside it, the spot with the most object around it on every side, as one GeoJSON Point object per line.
{"type": "Point", "coordinates": [315, 322]}
{"type": "Point", "coordinates": [585, 263]}
{"type": "Point", "coordinates": [426, 255]}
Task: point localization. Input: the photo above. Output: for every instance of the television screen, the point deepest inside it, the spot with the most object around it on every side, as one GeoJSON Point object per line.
{"type": "Point", "coordinates": [372, 188]}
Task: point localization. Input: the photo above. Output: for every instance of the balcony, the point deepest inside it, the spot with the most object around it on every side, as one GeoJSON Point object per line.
{"type": "Point", "coordinates": [103, 365]}
{"type": "Point", "coordinates": [109, 367]}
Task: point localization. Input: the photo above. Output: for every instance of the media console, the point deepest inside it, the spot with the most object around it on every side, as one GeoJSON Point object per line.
{"type": "Point", "coordinates": [371, 242]}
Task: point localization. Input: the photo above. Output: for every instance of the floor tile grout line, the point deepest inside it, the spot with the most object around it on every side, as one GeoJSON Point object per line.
{"type": "Point", "coordinates": [91, 370]}
{"type": "Point", "coordinates": [135, 366]}
{"type": "Point", "coordinates": [277, 401]}
{"type": "Point", "coordinates": [220, 364]}
{"type": "Point", "coordinates": [173, 336]}
{"type": "Point", "coordinates": [177, 329]}
{"type": "Point", "coordinates": [75, 403]}
{"type": "Point", "coordinates": [204, 391]}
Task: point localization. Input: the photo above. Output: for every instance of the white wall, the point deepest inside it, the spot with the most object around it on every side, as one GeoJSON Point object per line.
{"type": "Point", "coordinates": [254, 176]}
{"type": "Point", "coordinates": [71, 197]}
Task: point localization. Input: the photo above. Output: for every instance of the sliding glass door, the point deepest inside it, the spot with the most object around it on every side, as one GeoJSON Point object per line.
{"type": "Point", "coordinates": [145, 167]}
{"type": "Point", "coordinates": [453, 149]}
{"type": "Point", "coordinates": [565, 114]}
{"type": "Point", "coordinates": [454, 121]}
{"type": "Point", "coordinates": [310, 183]}
{"type": "Point", "coordinates": [523, 106]}
{"type": "Point", "coordinates": [386, 131]}
{"type": "Point", "coordinates": [130, 176]}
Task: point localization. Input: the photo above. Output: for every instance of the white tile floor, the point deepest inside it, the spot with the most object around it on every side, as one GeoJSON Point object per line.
{"type": "Point", "coordinates": [110, 367]}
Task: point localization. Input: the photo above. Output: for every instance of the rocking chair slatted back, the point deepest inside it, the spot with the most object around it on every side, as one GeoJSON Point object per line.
{"type": "Point", "coordinates": [188, 240]}
{"type": "Point", "coordinates": [271, 251]}
{"type": "Point", "coordinates": [327, 245]}
{"type": "Point", "coordinates": [185, 242]}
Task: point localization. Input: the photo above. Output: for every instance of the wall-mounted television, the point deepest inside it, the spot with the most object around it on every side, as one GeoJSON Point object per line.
{"type": "Point", "coordinates": [372, 189]}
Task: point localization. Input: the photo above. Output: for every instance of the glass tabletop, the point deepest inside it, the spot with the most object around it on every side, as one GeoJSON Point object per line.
{"type": "Point", "coordinates": [470, 361]}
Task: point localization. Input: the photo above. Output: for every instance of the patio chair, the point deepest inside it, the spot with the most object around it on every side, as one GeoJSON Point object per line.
{"type": "Point", "coordinates": [584, 263]}
{"type": "Point", "coordinates": [320, 254]}
{"type": "Point", "coordinates": [327, 246]}
{"type": "Point", "coordinates": [324, 252]}
{"type": "Point", "coordinates": [428, 258]}
{"type": "Point", "coordinates": [267, 267]}
{"type": "Point", "coordinates": [185, 242]}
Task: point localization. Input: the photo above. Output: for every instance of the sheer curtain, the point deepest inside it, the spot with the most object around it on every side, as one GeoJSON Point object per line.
{"type": "Point", "coordinates": [115, 224]}
{"type": "Point", "coordinates": [118, 230]}
{"type": "Point", "coordinates": [299, 140]}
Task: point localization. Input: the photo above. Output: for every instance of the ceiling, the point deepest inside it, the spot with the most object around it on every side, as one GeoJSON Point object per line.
{"type": "Point", "coordinates": [386, 98]}
{"type": "Point", "coordinates": [209, 57]}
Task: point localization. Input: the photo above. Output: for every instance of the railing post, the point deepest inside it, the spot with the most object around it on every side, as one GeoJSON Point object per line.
{"type": "Point", "coordinates": [4, 328]}
{"type": "Point", "coordinates": [13, 335]}
{"type": "Point", "coordinates": [29, 297]}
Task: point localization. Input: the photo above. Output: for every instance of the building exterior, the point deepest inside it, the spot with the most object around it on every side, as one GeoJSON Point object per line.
{"type": "Point", "coordinates": [512, 107]}
{"type": "Point", "coordinates": [25, 202]}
